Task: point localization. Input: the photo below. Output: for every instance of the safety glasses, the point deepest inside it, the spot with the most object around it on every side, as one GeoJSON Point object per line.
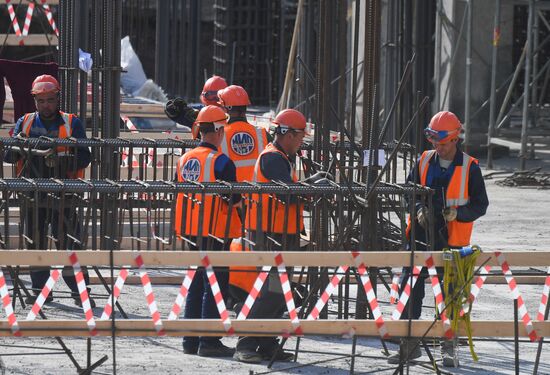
{"type": "Point", "coordinates": [218, 125]}
{"type": "Point", "coordinates": [437, 136]}
{"type": "Point", "coordinates": [210, 96]}
{"type": "Point", "coordinates": [283, 129]}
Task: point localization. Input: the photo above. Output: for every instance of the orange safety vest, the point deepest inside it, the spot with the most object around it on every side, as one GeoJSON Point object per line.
{"type": "Point", "coordinates": [65, 131]}
{"type": "Point", "coordinates": [456, 195]}
{"type": "Point", "coordinates": [198, 165]}
{"type": "Point", "coordinates": [243, 143]}
{"type": "Point", "coordinates": [248, 274]}
{"type": "Point", "coordinates": [270, 204]}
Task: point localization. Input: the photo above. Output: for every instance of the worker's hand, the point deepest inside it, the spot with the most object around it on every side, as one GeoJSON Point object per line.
{"type": "Point", "coordinates": [449, 214]}
{"type": "Point", "coordinates": [174, 107]}
{"type": "Point", "coordinates": [178, 111]}
{"type": "Point", "coordinates": [320, 177]}
{"type": "Point", "coordinates": [422, 217]}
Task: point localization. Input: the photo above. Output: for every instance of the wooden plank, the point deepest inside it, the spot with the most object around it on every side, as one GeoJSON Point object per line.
{"type": "Point", "coordinates": [259, 258]}
{"type": "Point", "coordinates": [214, 327]}
{"type": "Point", "coordinates": [30, 40]}
{"type": "Point", "coordinates": [176, 280]}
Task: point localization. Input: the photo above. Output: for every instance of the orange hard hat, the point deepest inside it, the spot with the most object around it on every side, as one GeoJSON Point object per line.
{"type": "Point", "coordinates": [209, 94]}
{"type": "Point", "coordinates": [209, 115]}
{"type": "Point", "coordinates": [290, 119]}
{"type": "Point", "coordinates": [45, 84]}
{"type": "Point", "coordinates": [233, 96]}
{"type": "Point", "coordinates": [444, 127]}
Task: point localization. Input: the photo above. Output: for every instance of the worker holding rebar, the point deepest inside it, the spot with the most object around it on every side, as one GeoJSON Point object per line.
{"type": "Point", "coordinates": [207, 222]}
{"type": "Point", "coordinates": [281, 224]}
{"type": "Point", "coordinates": [179, 111]}
{"type": "Point", "coordinates": [59, 162]}
{"type": "Point", "coordinates": [460, 198]}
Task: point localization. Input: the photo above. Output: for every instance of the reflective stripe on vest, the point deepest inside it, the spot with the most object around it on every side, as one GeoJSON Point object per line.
{"type": "Point", "coordinates": [462, 198]}
{"type": "Point", "coordinates": [64, 131]}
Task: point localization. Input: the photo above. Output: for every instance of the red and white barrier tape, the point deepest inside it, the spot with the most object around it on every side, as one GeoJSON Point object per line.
{"type": "Point", "coordinates": [522, 310]}
{"type": "Point", "coordinates": [28, 19]}
{"type": "Point", "coordinates": [49, 16]}
{"type": "Point", "coordinates": [218, 297]}
{"type": "Point", "coordinates": [14, 22]}
{"type": "Point", "coordinates": [119, 283]}
{"type": "Point", "coordinates": [371, 296]}
{"type": "Point", "coordinates": [439, 300]}
{"type": "Point", "coordinates": [184, 289]}
{"type": "Point", "coordinates": [287, 292]}
{"type": "Point", "coordinates": [394, 290]}
{"type": "Point", "coordinates": [476, 287]}
{"type": "Point", "coordinates": [329, 290]}
{"type": "Point", "coordinates": [54, 276]}
{"type": "Point", "coordinates": [83, 292]}
{"type": "Point", "coordinates": [405, 294]}
{"type": "Point", "coordinates": [260, 280]}
{"type": "Point", "coordinates": [8, 308]}
{"type": "Point", "coordinates": [149, 296]}
{"type": "Point", "coordinates": [544, 298]}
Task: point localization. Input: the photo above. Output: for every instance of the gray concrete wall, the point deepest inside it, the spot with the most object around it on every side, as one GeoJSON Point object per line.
{"type": "Point", "coordinates": [453, 79]}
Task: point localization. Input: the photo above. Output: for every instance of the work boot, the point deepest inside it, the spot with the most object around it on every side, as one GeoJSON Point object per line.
{"type": "Point", "coordinates": [408, 349]}
{"type": "Point", "coordinates": [30, 300]}
{"type": "Point", "coordinates": [217, 350]}
{"type": "Point", "coordinates": [449, 352]}
{"type": "Point", "coordinates": [247, 356]}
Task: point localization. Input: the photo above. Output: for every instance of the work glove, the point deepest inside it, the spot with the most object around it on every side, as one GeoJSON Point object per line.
{"type": "Point", "coordinates": [320, 177]}
{"type": "Point", "coordinates": [422, 217]}
{"type": "Point", "coordinates": [177, 110]}
{"type": "Point", "coordinates": [449, 214]}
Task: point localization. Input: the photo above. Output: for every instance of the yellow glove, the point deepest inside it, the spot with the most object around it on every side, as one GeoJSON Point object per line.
{"type": "Point", "coordinates": [449, 214]}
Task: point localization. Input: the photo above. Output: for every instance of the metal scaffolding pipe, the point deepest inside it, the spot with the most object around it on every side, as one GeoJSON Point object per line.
{"type": "Point", "coordinates": [492, 108]}
{"type": "Point", "coordinates": [525, 114]}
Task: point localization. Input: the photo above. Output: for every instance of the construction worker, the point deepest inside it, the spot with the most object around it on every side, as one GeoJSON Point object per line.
{"type": "Point", "coordinates": [178, 111]}
{"type": "Point", "coordinates": [63, 163]}
{"type": "Point", "coordinates": [209, 222]}
{"type": "Point", "coordinates": [460, 198]}
{"type": "Point", "coordinates": [243, 142]}
{"type": "Point", "coordinates": [282, 222]}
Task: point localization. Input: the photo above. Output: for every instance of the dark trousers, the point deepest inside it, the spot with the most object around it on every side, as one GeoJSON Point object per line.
{"type": "Point", "coordinates": [61, 226]}
{"type": "Point", "coordinates": [200, 303]}
{"type": "Point", "coordinates": [418, 292]}
{"type": "Point", "coordinates": [270, 304]}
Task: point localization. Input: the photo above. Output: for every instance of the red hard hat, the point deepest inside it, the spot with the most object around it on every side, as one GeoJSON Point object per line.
{"type": "Point", "coordinates": [45, 84]}
{"type": "Point", "coordinates": [290, 119]}
{"type": "Point", "coordinates": [444, 127]}
{"type": "Point", "coordinates": [209, 94]}
{"type": "Point", "coordinates": [233, 96]}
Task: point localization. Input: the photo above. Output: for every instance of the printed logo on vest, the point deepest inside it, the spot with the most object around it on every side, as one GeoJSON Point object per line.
{"type": "Point", "coordinates": [242, 143]}
{"type": "Point", "coordinates": [191, 170]}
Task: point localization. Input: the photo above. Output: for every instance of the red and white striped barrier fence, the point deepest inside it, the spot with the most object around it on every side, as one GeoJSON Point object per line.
{"type": "Point", "coordinates": [28, 19]}
{"type": "Point", "coordinates": [287, 292]}
{"type": "Point", "coordinates": [8, 308]}
{"type": "Point", "coordinates": [41, 298]}
{"type": "Point", "coordinates": [117, 289]}
{"type": "Point", "coordinates": [149, 295]}
{"type": "Point", "coordinates": [544, 298]}
{"type": "Point", "coordinates": [184, 289]}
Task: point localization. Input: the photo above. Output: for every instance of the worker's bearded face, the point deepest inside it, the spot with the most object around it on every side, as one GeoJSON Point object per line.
{"type": "Point", "coordinates": [46, 105]}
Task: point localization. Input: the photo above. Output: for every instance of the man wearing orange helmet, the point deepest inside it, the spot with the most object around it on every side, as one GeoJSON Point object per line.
{"type": "Point", "coordinates": [65, 163]}
{"type": "Point", "coordinates": [282, 221]}
{"type": "Point", "coordinates": [460, 198]}
{"type": "Point", "coordinates": [243, 142]}
{"type": "Point", "coordinates": [203, 219]}
{"type": "Point", "coordinates": [178, 110]}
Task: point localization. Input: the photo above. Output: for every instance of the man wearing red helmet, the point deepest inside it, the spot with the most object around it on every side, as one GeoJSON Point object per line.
{"type": "Point", "coordinates": [178, 111]}
{"type": "Point", "coordinates": [203, 219]}
{"type": "Point", "coordinates": [460, 198]}
{"type": "Point", "coordinates": [281, 223]}
{"type": "Point", "coordinates": [66, 162]}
